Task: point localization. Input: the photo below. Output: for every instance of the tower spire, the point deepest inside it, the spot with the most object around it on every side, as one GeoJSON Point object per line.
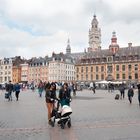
{"type": "Point", "coordinates": [68, 48]}
{"type": "Point", "coordinates": [94, 35]}
{"type": "Point", "coordinates": [113, 47]}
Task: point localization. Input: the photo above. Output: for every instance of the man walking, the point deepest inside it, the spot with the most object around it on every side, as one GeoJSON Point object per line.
{"type": "Point", "coordinates": [17, 90]}
{"type": "Point", "coordinates": [9, 89]}
{"type": "Point", "coordinates": [93, 87]}
{"type": "Point", "coordinates": [122, 90]}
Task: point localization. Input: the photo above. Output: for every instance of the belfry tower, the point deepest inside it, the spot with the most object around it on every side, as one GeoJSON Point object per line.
{"type": "Point", "coordinates": [68, 49]}
{"type": "Point", "coordinates": [94, 36]}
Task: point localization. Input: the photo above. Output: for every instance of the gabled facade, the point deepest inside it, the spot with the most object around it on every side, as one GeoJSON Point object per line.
{"type": "Point", "coordinates": [38, 70]}
{"type": "Point", "coordinates": [61, 68]}
{"type": "Point", "coordinates": [115, 63]}
{"type": "Point", "coordinates": [6, 65]}
{"type": "Point", "coordinates": [24, 72]}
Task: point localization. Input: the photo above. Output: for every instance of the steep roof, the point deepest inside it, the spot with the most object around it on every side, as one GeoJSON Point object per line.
{"type": "Point", "coordinates": [123, 54]}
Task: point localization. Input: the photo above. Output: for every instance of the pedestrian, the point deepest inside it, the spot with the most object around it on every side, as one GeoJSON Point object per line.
{"type": "Point", "coordinates": [92, 87]}
{"type": "Point", "coordinates": [46, 85]}
{"type": "Point", "coordinates": [17, 90]}
{"type": "Point", "coordinates": [64, 95]}
{"type": "Point", "coordinates": [138, 93]}
{"type": "Point", "coordinates": [122, 90]}
{"type": "Point", "coordinates": [74, 88]}
{"type": "Point", "coordinates": [109, 87]}
{"type": "Point", "coordinates": [50, 98]}
{"type": "Point", "coordinates": [40, 88]}
{"type": "Point", "coordinates": [9, 88]}
{"type": "Point", "coordinates": [130, 94]}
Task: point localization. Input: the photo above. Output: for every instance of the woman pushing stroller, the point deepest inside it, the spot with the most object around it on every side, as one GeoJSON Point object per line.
{"type": "Point", "coordinates": [64, 100]}
{"type": "Point", "coordinates": [64, 95]}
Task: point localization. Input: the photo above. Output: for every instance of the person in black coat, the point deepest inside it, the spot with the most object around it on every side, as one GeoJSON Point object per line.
{"type": "Point", "coordinates": [9, 88]}
{"type": "Point", "coordinates": [130, 94]}
{"type": "Point", "coordinates": [122, 90]}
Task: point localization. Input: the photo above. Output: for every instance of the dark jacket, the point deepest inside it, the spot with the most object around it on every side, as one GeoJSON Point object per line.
{"type": "Point", "coordinates": [122, 88]}
{"type": "Point", "coordinates": [9, 87]}
{"type": "Point", "coordinates": [16, 87]}
{"type": "Point", "coordinates": [50, 96]}
{"type": "Point", "coordinates": [64, 94]}
{"type": "Point", "coordinates": [131, 92]}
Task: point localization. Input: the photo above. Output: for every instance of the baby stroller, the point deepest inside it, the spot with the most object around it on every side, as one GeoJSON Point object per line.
{"type": "Point", "coordinates": [61, 117]}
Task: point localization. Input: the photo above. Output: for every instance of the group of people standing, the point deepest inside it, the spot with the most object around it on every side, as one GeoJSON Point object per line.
{"type": "Point", "coordinates": [64, 94]}
{"type": "Point", "coordinates": [41, 86]}
{"type": "Point", "coordinates": [130, 92]}
{"type": "Point", "coordinates": [64, 97]}
{"type": "Point", "coordinates": [12, 88]}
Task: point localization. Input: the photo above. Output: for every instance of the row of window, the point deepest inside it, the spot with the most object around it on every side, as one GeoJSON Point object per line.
{"type": "Point", "coordinates": [43, 74]}
{"type": "Point", "coordinates": [5, 67]}
{"type": "Point", "coordinates": [61, 78]}
{"type": "Point", "coordinates": [6, 72]}
{"type": "Point", "coordinates": [62, 67]}
{"type": "Point", "coordinates": [6, 78]}
{"type": "Point", "coordinates": [38, 64]}
{"type": "Point", "coordinates": [109, 68]}
{"type": "Point", "coordinates": [6, 62]}
{"type": "Point", "coordinates": [103, 77]}
{"type": "Point", "coordinates": [111, 59]}
{"type": "Point", "coordinates": [91, 69]}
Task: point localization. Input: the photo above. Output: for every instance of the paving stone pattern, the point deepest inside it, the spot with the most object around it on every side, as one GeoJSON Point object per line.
{"type": "Point", "coordinates": [95, 117]}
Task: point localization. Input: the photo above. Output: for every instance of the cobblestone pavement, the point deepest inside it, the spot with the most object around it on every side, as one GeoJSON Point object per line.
{"type": "Point", "coordinates": [95, 117]}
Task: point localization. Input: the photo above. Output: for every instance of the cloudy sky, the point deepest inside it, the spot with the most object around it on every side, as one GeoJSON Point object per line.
{"type": "Point", "coordinates": [32, 28]}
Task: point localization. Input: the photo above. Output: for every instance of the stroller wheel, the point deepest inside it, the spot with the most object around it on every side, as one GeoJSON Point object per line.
{"type": "Point", "coordinates": [52, 124]}
{"type": "Point", "coordinates": [69, 124]}
{"type": "Point", "coordinates": [62, 125]}
{"type": "Point", "coordinates": [54, 120]}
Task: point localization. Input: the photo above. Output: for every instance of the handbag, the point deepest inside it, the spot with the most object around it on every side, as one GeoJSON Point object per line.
{"type": "Point", "coordinates": [6, 95]}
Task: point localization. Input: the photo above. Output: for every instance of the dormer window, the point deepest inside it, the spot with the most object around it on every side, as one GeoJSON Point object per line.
{"type": "Point", "coordinates": [130, 57]}
{"type": "Point", "coordinates": [110, 59]}
{"type": "Point", "coordinates": [136, 57]}
{"type": "Point", "coordinates": [123, 57]}
{"type": "Point", "coordinates": [117, 57]}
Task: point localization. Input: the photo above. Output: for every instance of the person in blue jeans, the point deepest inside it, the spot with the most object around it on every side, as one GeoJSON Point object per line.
{"type": "Point", "coordinates": [17, 90]}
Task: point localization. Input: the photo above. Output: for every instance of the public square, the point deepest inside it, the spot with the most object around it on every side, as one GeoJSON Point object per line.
{"type": "Point", "coordinates": [95, 117]}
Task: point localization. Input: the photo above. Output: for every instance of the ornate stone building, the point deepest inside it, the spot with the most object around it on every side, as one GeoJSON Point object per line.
{"type": "Point", "coordinates": [115, 63]}
{"type": "Point", "coordinates": [24, 72]}
{"type": "Point", "coordinates": [16, 69]}
{"type": "Point", "coordinates": [10, 69]}
{"type": "Point", "coordinates": [6, 65]}
{"type": "Point", "coordinates": [38, 70]}
{"type": "Point", "coordinates": [61, 68]}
